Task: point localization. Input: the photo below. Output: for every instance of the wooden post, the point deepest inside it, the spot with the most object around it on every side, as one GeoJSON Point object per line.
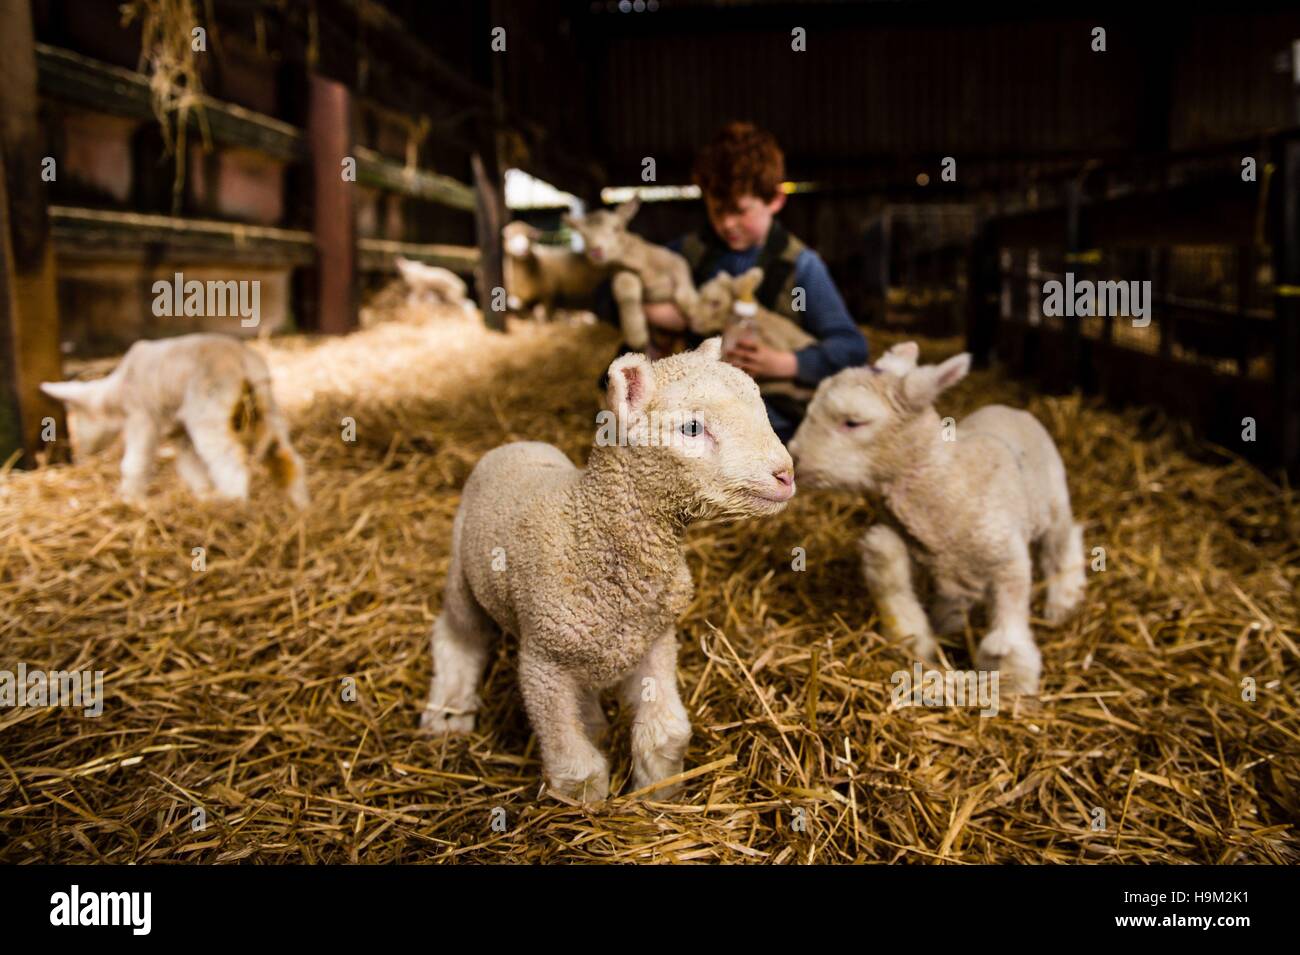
{"type": "Point", "coordinates": [982, 297]}
{"type": "Point", "coordinates": [489, 219]}
{"type": "Point", "coordinates": [485, 163]}
{"type": "Point", "coordinates": [1286, 280]}
{"type": "Point", "coordinates": [29, 314]}
{"type": "Point", "coordinates": [329, 137]}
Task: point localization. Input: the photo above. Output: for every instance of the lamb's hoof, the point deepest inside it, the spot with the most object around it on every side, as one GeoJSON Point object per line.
{"type": "Point", "coordinates": [439, 722]}
{"type": "Point", "coordinates": [669, 793]}
{"type": "Point", "coordinates": [1061, 604]}
{"type": "Point", "coordinates": [594, 787]}
{"type": "Point", "coordinates": [1017, 660]}
{"type": "Point", "coordinates": [926, 649]}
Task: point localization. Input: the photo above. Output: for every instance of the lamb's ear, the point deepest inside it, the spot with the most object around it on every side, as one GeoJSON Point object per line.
{"type": "Point", "coordinates": [900, 359]}
{"type": "Point", "coordinates": [69, 392]}
{"type": "Point", "coordinates": [569, 221]}
{"type": "Point", "coordinates": [627, 210]}
{"type": "Point", "coordinates": [631, 383]}
{"type": "Point", "coordinates": [747, 283]}
{"type": "Point", "coordinates": [711, 348]}
{"type": "Point", "coordinates": [923, 385]}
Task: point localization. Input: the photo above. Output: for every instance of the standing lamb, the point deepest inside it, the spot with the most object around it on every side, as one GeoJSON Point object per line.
{"type": "Point", "coordinates": [585, 567]}
{"type": "Point", "coordinates": [643, 272]}
{"type": "Point", "coordinates": [540, 276]}
{"type": "Point", "coordinates": [211, 394]}
{"type": "Point", "coordinates": [966, 510]}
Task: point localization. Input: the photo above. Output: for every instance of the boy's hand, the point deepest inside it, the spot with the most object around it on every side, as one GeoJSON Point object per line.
{"type": "Point", "coordinates": [665, 315]}
{"type": "Point", "coordinates": [760, 361]}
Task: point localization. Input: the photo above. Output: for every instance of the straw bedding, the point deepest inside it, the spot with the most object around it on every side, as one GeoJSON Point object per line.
{"type": "Point", "coordinates": [224, 687]}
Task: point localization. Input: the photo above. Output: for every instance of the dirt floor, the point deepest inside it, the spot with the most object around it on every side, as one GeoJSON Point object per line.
{"type": "Point", "coordinates": [227, 733]}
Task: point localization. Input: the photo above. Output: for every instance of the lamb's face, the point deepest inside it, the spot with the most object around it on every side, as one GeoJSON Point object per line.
{"type": "Point", "coordinates": [713, 308]}
{"type": "Point", "coordinates": [710, 430]}
{"type": "Point", "coordinates": [518, 238]}
{"type": "Point", "coordinates": [858, 427]}
{"type": "Point", "coordinates": [849, 416]}
{"type": "Point", "coordinates": [91, 427]}
{"type": "Point", "coordinates": [604, 232]}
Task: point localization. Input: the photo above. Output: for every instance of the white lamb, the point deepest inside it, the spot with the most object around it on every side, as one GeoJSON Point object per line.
{"type": "Point", "coordinates": [432, 284]}
{"type": "Point", "coordinates": [585, 567]}
{"type": "Point", "coordinates": [211, 394]}
{"type": "Point", "coordinates": [643, 272]}
{"type": "Point", "coordinates": [542, 277]}
{"type": "Point", "coordinates": [967, 510]}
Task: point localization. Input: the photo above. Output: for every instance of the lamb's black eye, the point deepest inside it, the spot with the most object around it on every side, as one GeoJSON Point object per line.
{"type": "Point", "coordinates": [850, 423]}
{"type": "Point", "coordinates": [692, 428]}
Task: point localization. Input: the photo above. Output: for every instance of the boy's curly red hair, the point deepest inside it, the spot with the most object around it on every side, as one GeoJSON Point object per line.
{"type": "Point", "coordinates": [742, 160]}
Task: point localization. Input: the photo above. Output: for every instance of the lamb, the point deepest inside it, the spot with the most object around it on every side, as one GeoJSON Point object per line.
{"type": "Point", "coordinates": [211, 394]}
{"type": "Point", "coordinates": [726, 304]}
{"type": "Point", "coordinates": [542, 276]}
{"type": "Point", "coordinates": [643, 271]}
{"type": "Point", "coordinates": [431, 283]}
{"type": "Point", "coordinates": [967, 510]}
{"type": "Point", "coordinates": [585, 567]}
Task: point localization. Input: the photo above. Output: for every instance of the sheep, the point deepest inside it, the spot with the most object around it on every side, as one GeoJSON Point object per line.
{"type": "Point", "coordinates": [431, 283]}
{"type": "Point", "coordinates": [966, 510]}
{"type": "Point", "coordinates": [585, 567]}
{"type": "Point", "coordinates": [726, 304]}
{"type": "Point", "coordinates": [541, 276]}
{"type": "Point", "coordinates": [643, 271]}
{"type": "Point", "coordinates": [211, 394]}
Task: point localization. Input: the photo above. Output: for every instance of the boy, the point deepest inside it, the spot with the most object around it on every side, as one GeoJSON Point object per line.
{"type": "Point", "coordinates": [740, 174]}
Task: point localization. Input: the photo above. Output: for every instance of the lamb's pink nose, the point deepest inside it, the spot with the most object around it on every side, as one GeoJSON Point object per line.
{"type": "Point", "coordinates": [784, 478]}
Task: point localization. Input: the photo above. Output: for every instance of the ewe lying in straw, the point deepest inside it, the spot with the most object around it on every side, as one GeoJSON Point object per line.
{"type": "Point", "coordinates": [586, 567]}
{"type": "Point", "coordinates": [966, 509]}
{"type": "Point", "coordinates": [209, 393]}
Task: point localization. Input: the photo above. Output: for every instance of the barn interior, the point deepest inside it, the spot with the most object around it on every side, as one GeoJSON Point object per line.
{"type": "Point", "coordinates": [945, 162]}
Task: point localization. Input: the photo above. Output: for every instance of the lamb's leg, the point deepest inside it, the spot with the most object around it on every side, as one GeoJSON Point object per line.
{"type": "Point", "coordinates": [462, 636]}
{"type": "Point", "coordinates": [594, 720]}
{"type": "Point", "coordinates": [949, 609]}
{"type": "Point", "coordinates": [888, 572]}
{"type": "Point", "coordinates": [287, 469]}
{"type": "Point", "coordinates": [140, 436]}
{"type": "Point", "coordinates": [225, 457]}
{"type": "Point", "coordinates": [628, 293]}
{"type": "Point", "coordinates": [661, 727]}
{"type": "Point", "coordinates": [1062, 563]}
{"type": "Point", "coordinates": [571, 764]}
{"type": "Point", "coordinates": [191, 468]}
{"type": "Point", "coordinates": [1009, 645]}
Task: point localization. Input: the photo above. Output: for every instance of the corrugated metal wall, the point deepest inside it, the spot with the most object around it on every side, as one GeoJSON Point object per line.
{"type": "Point", "coordinates": [865, 95]}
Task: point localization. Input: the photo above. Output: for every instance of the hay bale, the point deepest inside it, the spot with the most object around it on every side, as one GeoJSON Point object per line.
{"type": "Point", "coordinates": [224, 686]}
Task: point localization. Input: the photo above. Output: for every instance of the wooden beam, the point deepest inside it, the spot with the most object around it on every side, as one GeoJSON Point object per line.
{"type": "Point", "coordinates": [29, 315]}
{"type": "Point", "coordinates": [373, 169]}
{"type": "Point", "coordinates": [377, 255]}
{"type": "Point", "coordinates": [1286, 290]}
{"type": "Point", "coordinates": [131, 237]}
{"type": "Point", "coordinates": [68, 76]}
{"type": "Point", "coordinates": [329, 133]}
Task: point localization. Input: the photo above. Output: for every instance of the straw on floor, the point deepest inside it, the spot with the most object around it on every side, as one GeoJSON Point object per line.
{"type": "Point", "coordinates": [228, 732]}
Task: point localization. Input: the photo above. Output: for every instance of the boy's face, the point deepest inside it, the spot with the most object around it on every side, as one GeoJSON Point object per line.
{"type": "Point", "coordinates": [743, 224]}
